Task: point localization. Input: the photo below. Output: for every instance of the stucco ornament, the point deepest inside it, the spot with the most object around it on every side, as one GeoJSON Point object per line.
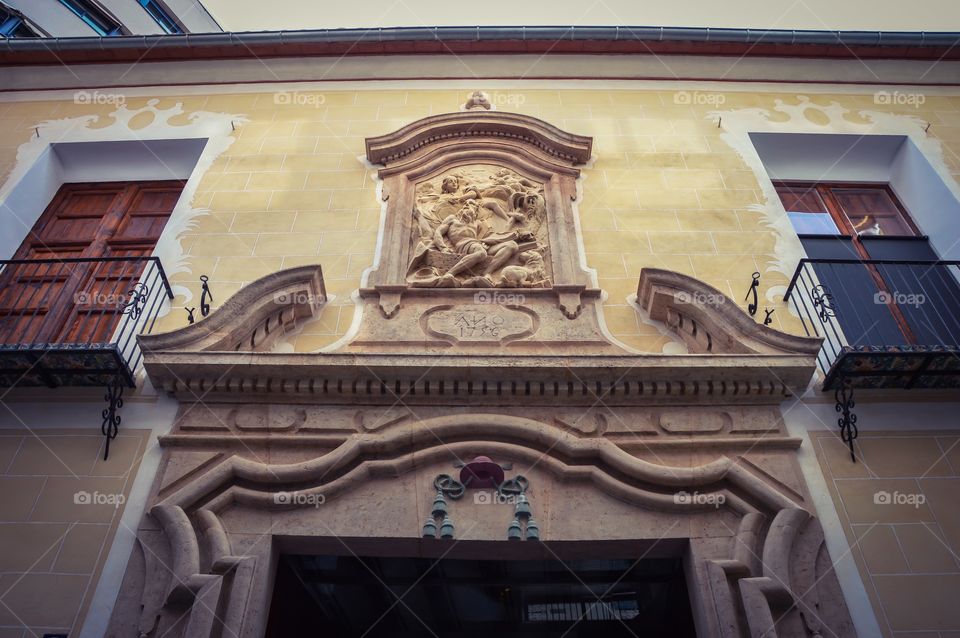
{"type": "Point", "coordinates": [478, 100]}
{"type": "Point", "coordinates": [480, 227]}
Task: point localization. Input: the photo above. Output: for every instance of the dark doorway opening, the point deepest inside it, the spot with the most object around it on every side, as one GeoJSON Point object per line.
{"type": "Point", "coordinates": [350, 596]}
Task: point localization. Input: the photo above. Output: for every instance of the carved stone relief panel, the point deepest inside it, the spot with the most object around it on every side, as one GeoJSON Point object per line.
{"type": "Point", "coordinates": [479, 226]}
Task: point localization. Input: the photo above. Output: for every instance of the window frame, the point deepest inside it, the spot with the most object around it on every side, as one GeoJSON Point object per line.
{"type": "Point", "coordinates": [825, 190]}
{"type": "Point", "coordinates": [96, 17]}
{"type": "Point", "coordinates": [165, 15]}
{"type": "Point", "coordinates": [16, 20]}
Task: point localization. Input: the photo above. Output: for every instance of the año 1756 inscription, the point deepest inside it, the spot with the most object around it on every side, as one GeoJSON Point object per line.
{"type": "Point", "coordinates": [466, 324]}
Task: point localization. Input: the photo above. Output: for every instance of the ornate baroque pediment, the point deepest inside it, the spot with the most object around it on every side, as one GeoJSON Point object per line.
{"type": "Point", "coordinates": [480, 250]}
{"type": "Point", "coordinates": [254, 318]}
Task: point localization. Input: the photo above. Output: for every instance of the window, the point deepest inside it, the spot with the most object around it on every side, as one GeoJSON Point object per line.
{"type": "Point", "coordinates": [807, 212]}
{"type": "Point", "coordinates": [95, 17]}
{"type": "Point", "coordinates": [14, 25]}
{"type": "Point", "coordinates": [79, 260]}
{"type": "Point", "coordinates": [879, 270]}
{"type": "Point", "coordinates": [879, 279]}
{"type": "Point", "coordinates": [352, 597]}
{"type": "Point", "coordinates": [856, 211]}
{"type": "Point", "coordinates": [161, 15]}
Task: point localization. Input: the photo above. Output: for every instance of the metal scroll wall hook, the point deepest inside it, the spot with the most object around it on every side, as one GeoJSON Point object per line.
{"type": "Point", "coordinates": [752, 306]}
{"type": "Point", "coordinates": [848, 420]}
{"type": "Point", "coordinates": [190, 318]}
{"type": "Point", "coordinates": [768, 316]}
{"type": "Point", "coordinates": [205, 297]}
{"type": "Point", "coordinates": [111, 420]}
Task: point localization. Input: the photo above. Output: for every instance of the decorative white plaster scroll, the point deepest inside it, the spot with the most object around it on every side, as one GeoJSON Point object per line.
{"type": "Point", "coordinates": [806, 116]}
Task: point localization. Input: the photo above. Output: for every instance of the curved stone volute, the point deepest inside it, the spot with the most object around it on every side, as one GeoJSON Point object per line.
{"type": "Point", "coordinates": [253, 318]}
{"type": "Point", "coordinates": [709, 322]}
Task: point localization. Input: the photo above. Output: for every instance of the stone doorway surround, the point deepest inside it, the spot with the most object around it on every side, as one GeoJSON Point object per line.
{"type": "Point", "coordinates": [682, 452]}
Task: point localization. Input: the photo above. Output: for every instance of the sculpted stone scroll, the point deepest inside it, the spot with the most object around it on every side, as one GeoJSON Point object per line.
{"type": "Point", "coordinates": [479, 227]}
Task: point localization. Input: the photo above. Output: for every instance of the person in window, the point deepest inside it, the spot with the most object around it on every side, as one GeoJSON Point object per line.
{"type": "Point", "coordinates": [863, 228]}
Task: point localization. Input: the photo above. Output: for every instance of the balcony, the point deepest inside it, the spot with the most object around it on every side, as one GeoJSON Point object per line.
{"type": "Point", "coordinates": [75, 321]}
{"type": "Point", "coordinates": [885, 323]}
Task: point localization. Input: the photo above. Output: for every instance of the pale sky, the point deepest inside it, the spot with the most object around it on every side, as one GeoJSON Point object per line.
{"type": "Point", "coordinates": [869, 15]}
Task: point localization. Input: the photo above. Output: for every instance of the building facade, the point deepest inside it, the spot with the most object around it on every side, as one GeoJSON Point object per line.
{"type": "Point", "coordinates": [442, 331]}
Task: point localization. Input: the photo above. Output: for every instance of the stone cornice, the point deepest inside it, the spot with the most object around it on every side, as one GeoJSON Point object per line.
{"type": "Point", "coordinates": [472, 40]}
{"type": "Point", "coordinates": [369, 378]}
{"type": "Point", "coordinates": [567, 147]}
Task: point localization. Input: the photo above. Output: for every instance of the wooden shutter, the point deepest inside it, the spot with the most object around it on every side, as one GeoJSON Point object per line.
{"type": "Point", "coordinates": [80, 302]}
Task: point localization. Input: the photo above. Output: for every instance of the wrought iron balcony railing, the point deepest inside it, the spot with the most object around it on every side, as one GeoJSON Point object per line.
{"type": "Point", "coordinates": [75, 321]}
{"type": "Point", "coordinates": [885, 323]}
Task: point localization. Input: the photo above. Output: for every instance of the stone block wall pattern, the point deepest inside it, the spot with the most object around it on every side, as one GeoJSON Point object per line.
{"type": "Point", "coordinates": [60, 506]}
{"type": "Point", "coordinates": [898, 507]}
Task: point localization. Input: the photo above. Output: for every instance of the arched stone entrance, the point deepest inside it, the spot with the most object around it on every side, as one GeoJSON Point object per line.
{"type": "Point", "coordinates": [754, 551]}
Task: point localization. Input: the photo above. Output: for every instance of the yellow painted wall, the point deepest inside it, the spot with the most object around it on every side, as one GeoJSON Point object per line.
{"type": "Point", "coordinates": [663, 190]}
